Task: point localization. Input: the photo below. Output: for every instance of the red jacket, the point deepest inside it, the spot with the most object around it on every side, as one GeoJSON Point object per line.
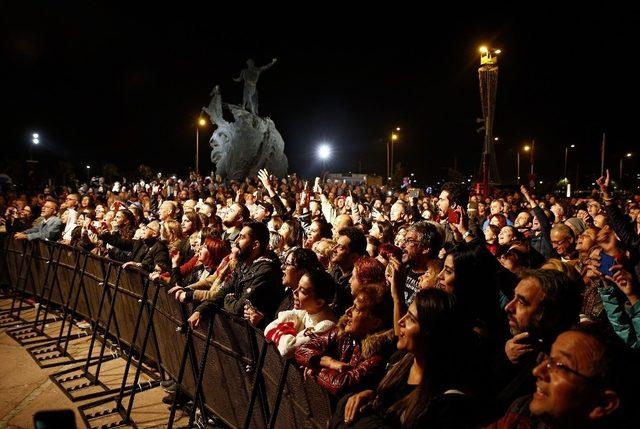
{"type": "Point", "coordinates": [367, 359]}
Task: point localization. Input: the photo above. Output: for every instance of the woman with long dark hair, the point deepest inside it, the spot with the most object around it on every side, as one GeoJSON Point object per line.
{"type": "Point", "coordinates": [480, 285]}
{"type": "Point", "coordinates": [431, 385]}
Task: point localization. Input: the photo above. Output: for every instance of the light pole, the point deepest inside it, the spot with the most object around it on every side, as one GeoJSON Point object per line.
{"type": "Point", "coordinates": [529, 149]}
{"type": "Point", "coordinates": [627, 155]}
{"type": "Point", "coordinates": [566, 157]}
{"type": "Point", "coordinates": [201, 123]}
{"type": "Point", "coordinates": [394, 137]}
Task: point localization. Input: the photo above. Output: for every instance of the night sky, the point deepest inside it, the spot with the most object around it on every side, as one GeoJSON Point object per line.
{"type": "Point", "coordinates": [113, 84]}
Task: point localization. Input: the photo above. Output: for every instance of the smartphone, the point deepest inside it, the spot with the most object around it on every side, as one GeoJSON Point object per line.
{"type": "Point", "coordinates": [606, 262]}
{"type": "Point", "coordinates": [453, 216]}
{"type": "Point", "coordinates": [54, 419]}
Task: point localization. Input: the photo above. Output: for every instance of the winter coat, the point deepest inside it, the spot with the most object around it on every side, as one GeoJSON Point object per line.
{"type": "Point", "coordinates": [367, 359]}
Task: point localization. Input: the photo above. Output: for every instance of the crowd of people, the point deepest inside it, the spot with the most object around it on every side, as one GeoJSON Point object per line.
{"type": "Point", "coordinates": [411, 310]}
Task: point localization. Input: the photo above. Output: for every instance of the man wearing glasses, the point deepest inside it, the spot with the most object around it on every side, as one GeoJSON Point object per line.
{"type": "Point", "coordinates": [545, 303]}
{"type": "Point", "coordinates": [584, 382]}
{"type": "Point", "coordinates": [564, 243]}
{"type": "Point", "coordinates": [49, 229]}
{"type": "Point", "coordinates": [420, 248]}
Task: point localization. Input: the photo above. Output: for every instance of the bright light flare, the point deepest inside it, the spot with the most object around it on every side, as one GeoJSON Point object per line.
{"type": "Point", "coordinates": [324, 152]}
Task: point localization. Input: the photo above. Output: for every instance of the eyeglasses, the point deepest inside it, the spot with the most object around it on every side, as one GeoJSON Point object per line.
{"type": "Point", "coordinates": [412, 241]}
{"type": "Point", "coordinates": [286, 264]}
{"type": "Point", "coordinates": [559, 242]}
{"type": "Point", "coordinates": [553, 365]}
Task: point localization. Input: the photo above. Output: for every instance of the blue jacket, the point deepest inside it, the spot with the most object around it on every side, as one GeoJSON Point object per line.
{"type": "Point", "coordinates": [624, 318]}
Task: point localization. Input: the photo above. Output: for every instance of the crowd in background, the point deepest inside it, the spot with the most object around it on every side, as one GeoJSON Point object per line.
{"type": "Point", "coordinates": [412, 310]}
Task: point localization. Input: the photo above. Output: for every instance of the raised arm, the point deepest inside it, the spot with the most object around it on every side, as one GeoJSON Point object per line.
{"type": "Point", "coordinates": [268, 66]}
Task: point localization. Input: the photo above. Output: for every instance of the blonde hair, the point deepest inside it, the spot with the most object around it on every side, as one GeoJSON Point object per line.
{"type": "Point", "coordinates": [171, 231]}
{"type": "Point", "coordinates": [563, 267]}
{"type": "Point", "coordinates": [323, 249]}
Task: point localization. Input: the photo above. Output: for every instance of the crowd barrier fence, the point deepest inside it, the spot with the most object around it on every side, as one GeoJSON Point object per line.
{"type": "Point", "coordinates": [225, 366]}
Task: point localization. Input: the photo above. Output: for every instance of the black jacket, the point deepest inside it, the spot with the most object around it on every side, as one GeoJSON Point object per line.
{"type": "Point", "coordinates": [260, 283]}
{"type": "Point", "coordinates": [542, 241]}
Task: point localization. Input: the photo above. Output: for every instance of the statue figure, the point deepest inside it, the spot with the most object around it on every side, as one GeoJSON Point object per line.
{"type": "Point", "coordinates": [244, 146]}
{"type": "Point", "coordinates": [250, 76]}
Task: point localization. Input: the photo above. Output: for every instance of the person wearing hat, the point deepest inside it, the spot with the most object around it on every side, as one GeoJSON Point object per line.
{"type": "Point", "coordinates": [577, 225]}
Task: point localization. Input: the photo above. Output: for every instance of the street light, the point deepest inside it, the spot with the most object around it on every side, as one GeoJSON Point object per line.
{"type": "Point", "coordinates": [201, 123]}
{"type": "Point", "coordinates": [566, 156]}
{"type": "Point", "coordinates": [627, 155]}
{"type": "Point", "coordinates": [529, 149]}
{"type": "Point", "coordinates": [35, 141]}
{"type": "Point", "coordinates": [394, 137]}
{"type": "Point", "coordinates": [324, 153]}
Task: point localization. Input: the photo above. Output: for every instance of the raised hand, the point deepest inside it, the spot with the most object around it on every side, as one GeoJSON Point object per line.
{"type": "Point", "coordinates": [263, 176]}
{"type": "Point", "coordinates": [603, 183]}
{"type": "Point", "coordinates": [625, 282]}
{"type": "Point", "coordinates": [393, 274]}
{"type": "Point", "coordinates": [516, 347]}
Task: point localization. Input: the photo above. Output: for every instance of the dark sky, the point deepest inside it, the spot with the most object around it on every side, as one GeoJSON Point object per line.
{"type": "Point", "coordinates": [107, 83]}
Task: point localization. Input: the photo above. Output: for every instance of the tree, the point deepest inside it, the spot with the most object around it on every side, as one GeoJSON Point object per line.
{"type": "Point", "coordinates": [145, 172]}
{"type": "Point", "coordinates": [110, 172]}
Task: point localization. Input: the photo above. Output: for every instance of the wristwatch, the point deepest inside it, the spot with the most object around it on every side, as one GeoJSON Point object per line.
{"type": "Point", "coordinates": [466, 234]}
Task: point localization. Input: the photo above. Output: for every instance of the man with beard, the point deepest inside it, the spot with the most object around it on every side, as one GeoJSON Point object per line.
{"type": "Point", "coordinates": [545, 303]}
{"type": "Point", "coordinates": [419, 248]}
{"type": "Point", "coordinates": [452, 197]}
{"type": "Point", "coordinates": [256, 282]}
{"type": "Point", "coordinates": [523, 223]}
{"type": "Point", "coordinates": [351, 245]}
{"type": "Point", "coordinates": [587, 381]}
{"type": "Point", "coordinates": [233, 220]}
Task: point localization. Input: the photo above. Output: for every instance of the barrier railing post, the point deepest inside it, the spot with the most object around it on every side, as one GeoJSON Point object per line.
{"type": "Point", "coordinates": [65, 306]}
{"type": "Point", "coordinates": [49, 263]}
{"type": "Point", "coordinates": [199, 394]}
{"type": "Point", "coordinates": [96, 322]}
{"type": "Point", "coordinates": [256, 384]}
{"type": "Point", "coordinates": [111, 313]}
{"type": "Point", "coordinates": [75, 306]}
{"type": "Point", "coordinates": [17, 292]}
{"type": "Point", "coordinates": [55, 282]}
{"type": "Point", "coordinates": [183, 365]}
{"type": "Point", "coordinates": [279, 393]}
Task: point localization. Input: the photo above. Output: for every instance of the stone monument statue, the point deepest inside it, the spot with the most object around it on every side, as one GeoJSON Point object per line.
{"type": "Point", "coordinates": [240, 148]}
{"type": "Point", "coordinates": [250, 77]}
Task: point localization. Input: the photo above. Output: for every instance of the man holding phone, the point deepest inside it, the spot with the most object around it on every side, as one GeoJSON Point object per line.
{"type": "Point", "coordinates": [453, 197]}
{"type": "Point", "coordinates": [545, 303]}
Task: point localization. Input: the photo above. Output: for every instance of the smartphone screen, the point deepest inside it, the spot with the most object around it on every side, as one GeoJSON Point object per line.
{"type": "Point", "coordinates": [606, 262]}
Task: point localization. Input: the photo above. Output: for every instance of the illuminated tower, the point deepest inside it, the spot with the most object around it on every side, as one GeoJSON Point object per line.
{"type": "Point", "coordinates": [488, 77]}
